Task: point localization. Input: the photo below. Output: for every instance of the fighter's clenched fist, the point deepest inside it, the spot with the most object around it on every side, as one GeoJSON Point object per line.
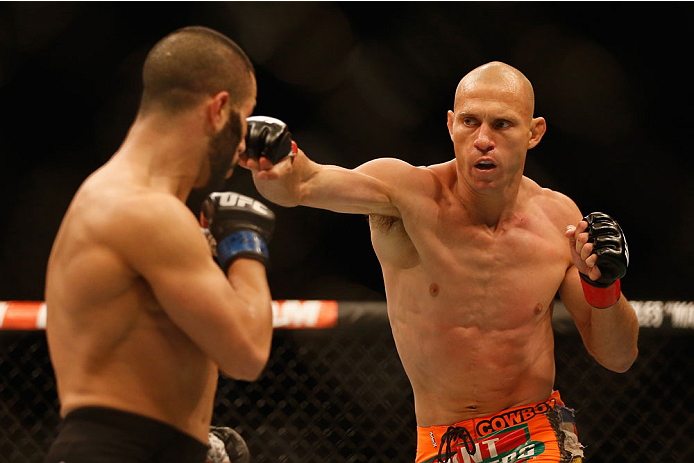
{"type": "Point", "coordinates": [268, 144]}
{"type": "Point", "coordinates": [241, 226]}
{"type": "Point", "coordinates": [601, 255]}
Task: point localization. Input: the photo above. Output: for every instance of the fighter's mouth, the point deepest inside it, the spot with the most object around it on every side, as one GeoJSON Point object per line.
{"type": "Point", "coordinates": [485, 165]}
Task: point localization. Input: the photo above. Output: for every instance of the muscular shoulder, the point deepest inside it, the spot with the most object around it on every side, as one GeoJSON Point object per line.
{"type": "Point", "coordinates": [110, 205]}
{"type": "Point", "coordinates": [398, 173]}
{"type": "Point", "coordinates": [556, 206]}
{"type": "Point", "coordinates": [135, 210]}
{"type": "Point", "coordinates": [158, 215]}
{"type": "Point", "coordinates": [408, 185]}
{"type": "Point", "coordinates": [143, 226]}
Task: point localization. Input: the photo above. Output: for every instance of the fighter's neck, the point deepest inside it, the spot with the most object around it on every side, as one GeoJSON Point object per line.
{"type": "Point", "coordinates": [490, 208]}
{"type": "Point", "coordinates": [163, 156]}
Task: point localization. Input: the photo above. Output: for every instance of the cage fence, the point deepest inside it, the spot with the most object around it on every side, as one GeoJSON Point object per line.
{"type": "Point", "coordinates": [339, 394]}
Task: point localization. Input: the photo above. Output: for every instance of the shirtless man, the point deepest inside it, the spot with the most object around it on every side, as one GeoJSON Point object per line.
{"type": "Point", "coordinates": [473, 254]}
{"type": "Point", "coordinates": [140, 317]}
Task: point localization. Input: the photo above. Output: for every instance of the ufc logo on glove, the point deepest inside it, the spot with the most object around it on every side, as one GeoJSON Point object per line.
{"type": "Point", "coordinates": [231, 199]}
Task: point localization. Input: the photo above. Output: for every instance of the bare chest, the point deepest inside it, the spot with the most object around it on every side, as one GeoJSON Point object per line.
{"type": "Point", "coordinates": [470, 273]}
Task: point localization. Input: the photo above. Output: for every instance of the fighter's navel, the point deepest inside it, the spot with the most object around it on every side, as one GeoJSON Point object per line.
{"type": "Point", "coordinates": [433, 290]}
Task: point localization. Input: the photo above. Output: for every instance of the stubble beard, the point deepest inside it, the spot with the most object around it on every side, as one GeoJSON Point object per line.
{"type": "Point", "coordinates": [222, 153]}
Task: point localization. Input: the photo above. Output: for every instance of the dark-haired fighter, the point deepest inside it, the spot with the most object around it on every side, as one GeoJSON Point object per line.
{"type": "Point", "coordinates": [473, 254]}
{"type": "Point", "coordinates": [140, 316]}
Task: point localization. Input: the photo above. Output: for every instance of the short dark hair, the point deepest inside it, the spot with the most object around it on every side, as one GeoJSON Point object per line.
{"type": "Point", "coordinates": [191, 63]}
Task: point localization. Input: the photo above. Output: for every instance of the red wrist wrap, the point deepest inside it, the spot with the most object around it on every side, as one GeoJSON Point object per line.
{"type": "Point", "coordinates": [601, 298]}
{"type": "Point", "coordinates": [294, 152]}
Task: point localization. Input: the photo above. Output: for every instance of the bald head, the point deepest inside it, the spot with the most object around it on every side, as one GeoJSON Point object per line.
{"type": "Point", "coordinates": [193, 63]}
{"type": "Point", "coordinates": [499, 77]}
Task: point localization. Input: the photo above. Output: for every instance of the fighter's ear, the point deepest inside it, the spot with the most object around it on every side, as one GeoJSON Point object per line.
{"type": "Point", "coordinates": [216, 109]}
{"type": "Point", "coordinates": [538, 127]}
{"type": "Point", "coordinates": [449, 123]}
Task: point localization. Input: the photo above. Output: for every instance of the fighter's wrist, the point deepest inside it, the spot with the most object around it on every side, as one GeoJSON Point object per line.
{"type": "Point", "coordinates": [245, 243]}
{"type": "Point", "coordinates": [601, 298]}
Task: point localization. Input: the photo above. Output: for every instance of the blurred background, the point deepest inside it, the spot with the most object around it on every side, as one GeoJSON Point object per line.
{"type": "Point", "coordinates": [356, 81]}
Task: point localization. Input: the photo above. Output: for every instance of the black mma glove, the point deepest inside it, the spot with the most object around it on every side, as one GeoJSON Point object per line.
{"type": "Point", "coordinates": [240, 225]}
{"type": "Point", "coordinates": [610, 245]}
{"type": "Point", "coordinates": [269, 137]}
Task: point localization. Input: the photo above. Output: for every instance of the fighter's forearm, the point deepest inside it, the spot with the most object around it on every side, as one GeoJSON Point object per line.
{"type": "Point", "coordinates": [613, 336]}
{"type": "Point", "coordinates": [248, 279]}
{"type": "Point", "coordinates": [607, 322]}
{"type": "Point", "coordinates": [367, 189]}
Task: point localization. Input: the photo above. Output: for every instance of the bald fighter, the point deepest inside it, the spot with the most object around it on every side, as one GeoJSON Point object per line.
{"type": "Point", "coordinates": [473, 254]}
{"type": "Point", "coordinates": [140, 316]}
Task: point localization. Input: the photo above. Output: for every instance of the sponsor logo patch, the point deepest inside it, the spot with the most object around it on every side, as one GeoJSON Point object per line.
{"type": "Point", "coordinates": [514, 417]}
{"type": "Point", "coordinates": [511, 445]}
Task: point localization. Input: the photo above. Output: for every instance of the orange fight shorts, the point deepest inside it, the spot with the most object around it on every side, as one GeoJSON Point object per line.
{"type": "Point", "coordinates": [543, 432]}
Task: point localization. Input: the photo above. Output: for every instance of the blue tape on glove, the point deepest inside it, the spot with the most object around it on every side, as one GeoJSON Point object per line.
{"type": "Point", "coordinates": [246, 243]}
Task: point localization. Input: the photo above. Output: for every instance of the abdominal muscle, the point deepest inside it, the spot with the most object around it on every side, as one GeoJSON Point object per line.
{"type": "Point", "coordinates": [468, 355]}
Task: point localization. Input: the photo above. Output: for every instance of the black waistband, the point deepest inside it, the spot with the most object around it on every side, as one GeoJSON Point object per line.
{"type": "Point", "coordinates": [121, 437]}
{"type": "Point", "coordinates": [135, 424]}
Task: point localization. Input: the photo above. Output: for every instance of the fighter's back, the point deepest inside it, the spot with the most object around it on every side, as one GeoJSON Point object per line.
{"type": "Point", "coordinates": [101, 309]}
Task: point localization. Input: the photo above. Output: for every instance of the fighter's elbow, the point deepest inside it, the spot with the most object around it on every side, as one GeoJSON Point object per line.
{"type": "Point", "coordinates": [628, 361]}
{"type": "Point", "coordinates": [249, 358]}
{"type": "Point", "coordinates": [250, 366]}
{"type": "Point", "coordinates": [250, 372]}
{"type": "Point", "coordinates": [622, 363]}
{"type": "Point", "coordinates": [258, 362]}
